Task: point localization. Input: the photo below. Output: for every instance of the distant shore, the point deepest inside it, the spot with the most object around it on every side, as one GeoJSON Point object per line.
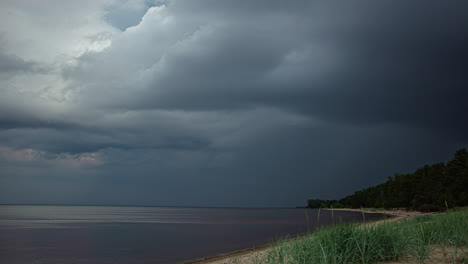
{"type": "Point", "coordinates": [249, 255]}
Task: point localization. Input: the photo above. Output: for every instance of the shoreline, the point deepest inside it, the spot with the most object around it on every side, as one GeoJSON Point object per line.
{"type": "Point", "coordinates": [249, 254]}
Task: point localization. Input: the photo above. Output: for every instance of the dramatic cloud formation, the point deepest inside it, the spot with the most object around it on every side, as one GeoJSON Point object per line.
{"type": "Point", "coordinates": [225, 103]}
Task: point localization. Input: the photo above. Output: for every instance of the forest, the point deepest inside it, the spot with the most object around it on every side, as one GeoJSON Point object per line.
{"type": "Point", "coordinates": [433, 187]}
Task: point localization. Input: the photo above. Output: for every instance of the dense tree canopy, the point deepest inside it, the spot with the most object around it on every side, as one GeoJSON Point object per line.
{"type": "Point", "coordinates": [430, 188]}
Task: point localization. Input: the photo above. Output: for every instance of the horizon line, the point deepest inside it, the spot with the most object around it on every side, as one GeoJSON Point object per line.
{"type": "Point", "coordinates": [126, 205]}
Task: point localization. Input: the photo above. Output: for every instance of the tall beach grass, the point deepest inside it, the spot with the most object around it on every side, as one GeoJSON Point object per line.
{"type": "Point", "coordinates": [413, 240]}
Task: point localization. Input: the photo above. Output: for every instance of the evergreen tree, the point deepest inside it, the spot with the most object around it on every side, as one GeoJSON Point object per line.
{"type": "Point", "coordinates": [430, 188]}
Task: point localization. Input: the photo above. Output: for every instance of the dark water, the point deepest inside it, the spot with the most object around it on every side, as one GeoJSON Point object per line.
{"type": "Point", "coordinates": [102, 234]}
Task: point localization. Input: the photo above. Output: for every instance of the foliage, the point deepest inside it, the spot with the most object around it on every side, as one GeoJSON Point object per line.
{"type": "Point", "coordinates": [317, 203]}
{"type": "Point", "coordinates": [430, 188]}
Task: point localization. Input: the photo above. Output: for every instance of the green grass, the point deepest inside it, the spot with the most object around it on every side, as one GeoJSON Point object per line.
{"type": "Point", "coordinates": [387, 241]}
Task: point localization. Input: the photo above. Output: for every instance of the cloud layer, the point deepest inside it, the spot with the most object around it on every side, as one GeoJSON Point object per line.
{"type": "Point", "coordinates": [225, 103]}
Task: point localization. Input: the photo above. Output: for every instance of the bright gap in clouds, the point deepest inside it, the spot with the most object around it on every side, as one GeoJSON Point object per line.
{"type": "Point", "coordinates": [128, 13]}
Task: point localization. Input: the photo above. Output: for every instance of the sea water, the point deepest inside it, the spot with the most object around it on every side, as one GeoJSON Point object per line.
{"type": "Point", "coordinates": [137, 235]}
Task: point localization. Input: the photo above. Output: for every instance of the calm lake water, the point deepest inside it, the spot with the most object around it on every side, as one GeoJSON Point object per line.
{"type": "Point", "coordinates": [135, 235]}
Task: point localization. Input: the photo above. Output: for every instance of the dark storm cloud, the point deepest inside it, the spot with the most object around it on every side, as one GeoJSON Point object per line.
{"type": "Point", "coordinates": [72, 138]}
{"type": "Point", "coordinates": [17, 121]}
{"type": "Point", "coordinates": [252, 103]}
{"type": "Point", "coordinates": [398, 64]}
{"type": "Point", "coordinates": [405, 64]}
{"type": "Point", "coordinates": [390, 62]}
{"type": "Point", "coordinates": [12, 63]}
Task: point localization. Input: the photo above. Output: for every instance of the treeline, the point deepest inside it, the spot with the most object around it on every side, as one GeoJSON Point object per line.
{"type": "Point", "coordinates": [430, 188]}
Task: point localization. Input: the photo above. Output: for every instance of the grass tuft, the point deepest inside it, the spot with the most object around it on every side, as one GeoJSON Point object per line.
{"type": "Point", "coordinates": [382, 242]}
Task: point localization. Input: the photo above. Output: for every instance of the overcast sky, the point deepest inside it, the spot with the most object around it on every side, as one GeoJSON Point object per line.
{"type": "Point", "coordinates": [225, 103]}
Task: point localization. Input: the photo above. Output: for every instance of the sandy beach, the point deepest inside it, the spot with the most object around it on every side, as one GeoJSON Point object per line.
{"type": "Point", "coordinates": [249, 256]}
